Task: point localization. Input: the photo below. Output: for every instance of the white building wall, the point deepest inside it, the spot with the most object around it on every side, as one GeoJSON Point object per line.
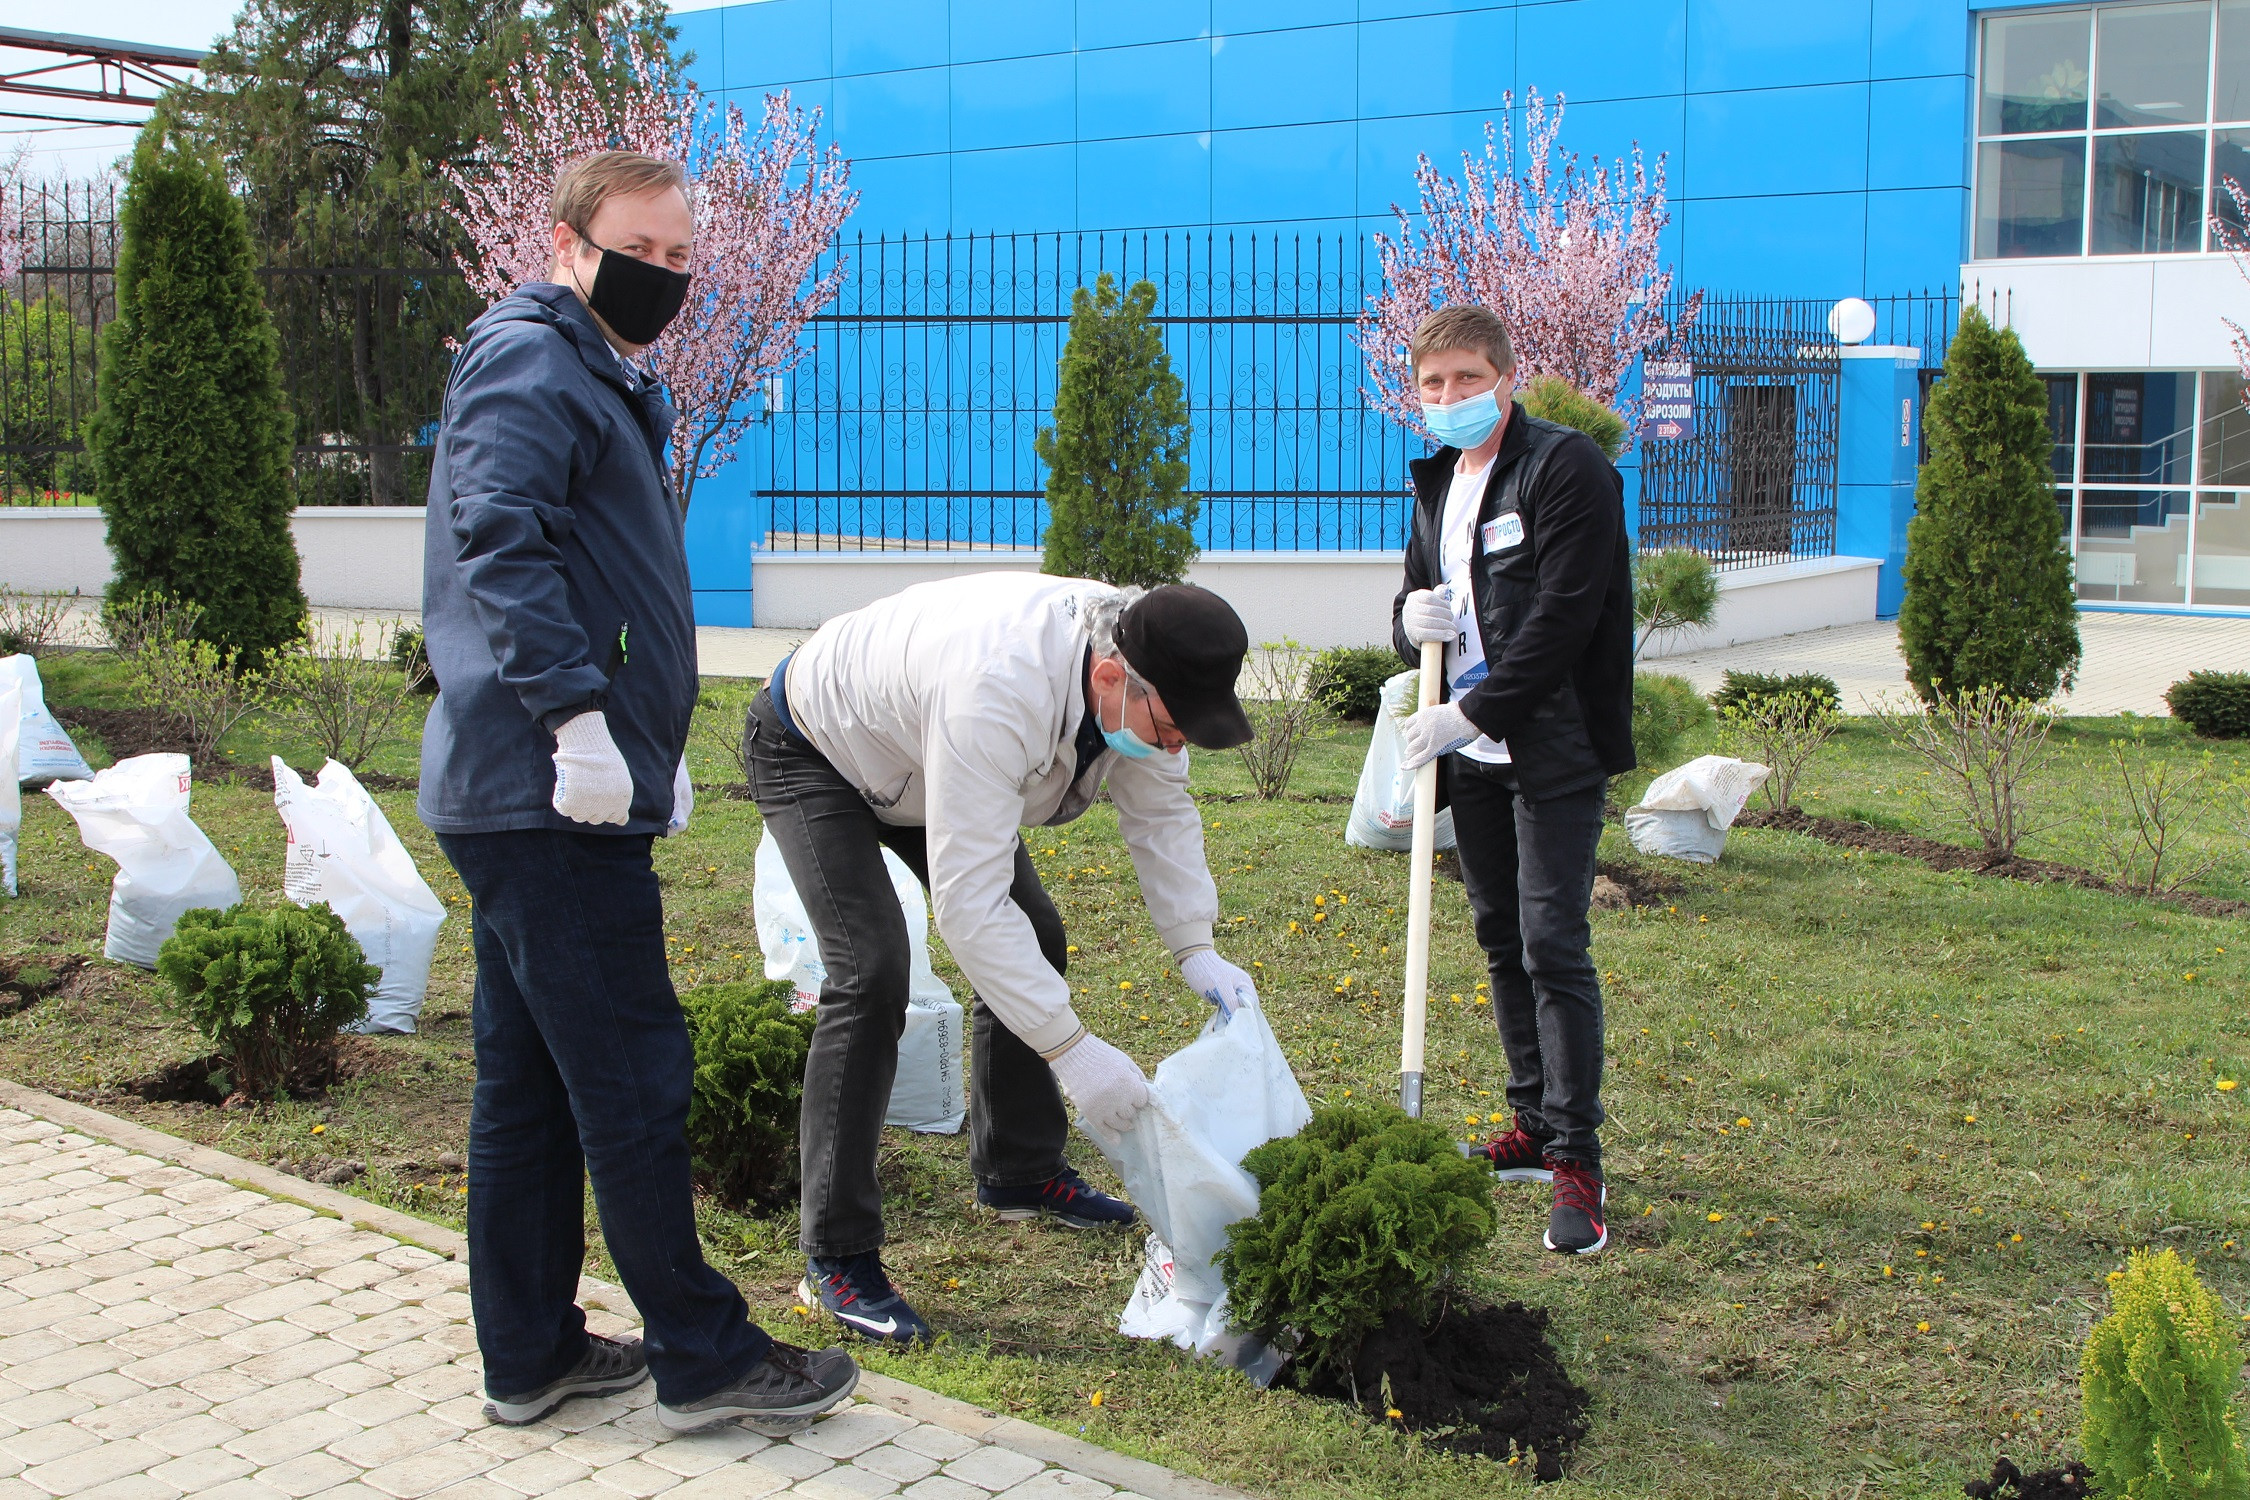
{"type": "Point", "coordinates": [2116, 312]}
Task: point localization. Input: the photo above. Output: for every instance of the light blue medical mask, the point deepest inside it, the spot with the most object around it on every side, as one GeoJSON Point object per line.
{"type": "Point", "coordinates": [1464, 424]}
{"type": "Point", "coordinates": [1122, 739]}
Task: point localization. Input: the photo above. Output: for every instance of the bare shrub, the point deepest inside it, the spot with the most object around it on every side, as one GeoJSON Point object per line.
{"type": "Point", "coordinates": [1783, 732]}
{"type": "Point", "coordinates": [1986, 747]}
{"type": "Point", "coordinates": [2160, 808]}
{"type": "Point", "coordinates": [32, 624]}
{"type": "Point", "coordinates": [343, 695]}
{"type": "Point", "coordinates": [209, 689]}
{"type": "Point", "coordinates": [1276, 693]}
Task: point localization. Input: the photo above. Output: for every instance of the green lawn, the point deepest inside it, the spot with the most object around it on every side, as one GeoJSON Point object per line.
{"type": "Point", "coordinates": [2028, 1071]}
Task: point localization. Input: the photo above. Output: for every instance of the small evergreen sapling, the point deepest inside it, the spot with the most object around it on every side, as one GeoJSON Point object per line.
{"type": "Point", "coordinates": [268, 990]}
{"type": "Point", "coordinates": [1665, 709]}
{"type": "Point", "coordinates": [1363, 1213]}
{"type": "Point", "coordinates": [1348, 680]}
{"type": "Point", "coordinates": [2215, 705]}
{"type": "Point", "coordinates": [2158, 1378]}
{"type": "Point", "coordinates": [1989, 598]}
{"type": "Point", "coordinates": [1556, 400]}
{"type": "Point", "coordinates": [749, 1078]}
{"type": "Point", "coordinates": [1117, 456]}
{"type": "Point", "coordinates": [1672, 590]}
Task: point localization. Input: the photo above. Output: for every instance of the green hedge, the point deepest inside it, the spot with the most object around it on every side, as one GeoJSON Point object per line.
{"type": "Point", "coordinates": [2215, 705]}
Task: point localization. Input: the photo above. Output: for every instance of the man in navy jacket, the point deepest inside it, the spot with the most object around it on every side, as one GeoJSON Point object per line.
{"type": "Point", "coordinates": [560, 629]}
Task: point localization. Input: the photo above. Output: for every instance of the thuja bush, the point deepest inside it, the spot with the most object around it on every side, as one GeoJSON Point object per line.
{"type": "Point", "coordinates": [1556, 400]}
{"type": "Point", "coordinates": [2216, 705]}
{"type": "Point", "coordinates": [749, 1076]}
{"type": "Point", "coordinates": [1665, 708]}
{"type": "Point", "coordinates": [1348, 680]}
{"type": "Point", "coordinates": [1741, 689]}
{"type": "Point", "coordinates": [1363, 1213]}
{"type": "Point", "coordinates": [268, 990]}
{"type": "Point", "coordinates": [2158, 1379]}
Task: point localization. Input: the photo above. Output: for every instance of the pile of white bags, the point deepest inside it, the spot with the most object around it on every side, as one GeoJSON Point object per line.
{"type": "Point", "coordinates": [1686, 812]}
{"type": "Point", "coordinates": [1383, 806]}
{"type": "Point", "coordinates": [43, 752]}
{"type": "Point", "coordinates": [11, 798]}
{"type": "Point", "coordinates": [1210, 1104]}
{"type": "Point", "coordinates": [342, 851]}
{"type": "Point", "coordinates": [136, 812]}
{"type": "Point", "coordinates": [927, 1095]}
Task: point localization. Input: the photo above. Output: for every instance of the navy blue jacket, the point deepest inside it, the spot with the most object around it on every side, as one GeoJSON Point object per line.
{"type": "Point", "coordinates": [555, 578]}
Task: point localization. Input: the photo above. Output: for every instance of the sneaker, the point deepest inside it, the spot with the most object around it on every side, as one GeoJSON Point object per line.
{"type": "Point", "coordinates": [856, 1292]}
{"type": "Point", "coordinates": [1064, 1197]}
{"type": "Point", "coordinates": [780, 1394]}
{"type": "Point", "coordinates": [1514, 1157]}
{"type": "Point", "coordinates": [1574, 1224]}
{"type": "Point", "coordinates": [607, 1367]}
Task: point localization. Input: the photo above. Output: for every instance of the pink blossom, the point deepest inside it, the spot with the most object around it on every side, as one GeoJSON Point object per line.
{"type": "Point", "coordinates": [11, 214]}
{"type": "Point", "coordinates": [767, 202]}
{"type": "Point", "coordinates": [1568, 259]}
{"type": "Point", "coordinates": [2237, 245]}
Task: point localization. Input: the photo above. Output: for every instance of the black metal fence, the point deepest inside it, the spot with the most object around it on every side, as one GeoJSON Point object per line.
{"type": "Point", "coordinates": [362, 322]}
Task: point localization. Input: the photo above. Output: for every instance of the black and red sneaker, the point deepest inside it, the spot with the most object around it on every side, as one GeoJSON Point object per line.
{"type": "Point", "coordinates": [1066, 1198]}
{"type": "Point", "coordinates": [1515, 1157]}
{"type": "Point", "coordinates": [1574, 1224]}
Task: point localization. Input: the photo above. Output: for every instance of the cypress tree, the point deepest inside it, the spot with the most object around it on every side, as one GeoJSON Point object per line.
{"type": "Point", "coordinates": [192, 437]}
{"type": "Point", "coordinates": [1116, 457]}
{"type": "Point", "coordinates": [1989, 596]}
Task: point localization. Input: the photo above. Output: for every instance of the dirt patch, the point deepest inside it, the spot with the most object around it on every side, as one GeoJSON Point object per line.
{"type": "Point", "coordinates": [2073, 1481]}
{"type": "Point", "coordinates": [260, 778]}
{"type": "Point", "coordinates": [127, 732]}
{"type": "Point", "coordinates": [28, 978]}
{"type": "Point", "coordinates": [204, 1080]}
{"type": "Point", "coordinates": [1943, 856]}
{"type": "Point", "coordinates": [1478, 1379]}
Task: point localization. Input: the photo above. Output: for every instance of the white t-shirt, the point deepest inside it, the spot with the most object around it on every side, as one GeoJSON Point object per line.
{"type": "Point", "coordinates": [1464, 654]}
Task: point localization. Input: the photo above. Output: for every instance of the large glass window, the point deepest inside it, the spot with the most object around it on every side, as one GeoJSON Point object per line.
{"type": "Point", "coordinates": [2152, 473]}
{"type": "Point", "coordinates": [2080, 113]}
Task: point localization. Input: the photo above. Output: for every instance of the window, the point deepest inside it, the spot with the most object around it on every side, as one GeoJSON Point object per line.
{"type": "Point", "coordinates": [2152, 472]}
{"type": "Point", "coordinates": [2104, 130]}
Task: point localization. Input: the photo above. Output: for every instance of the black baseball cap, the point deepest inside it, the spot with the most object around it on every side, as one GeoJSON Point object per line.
{"type": "Point", "coordinates": [1188, 644]}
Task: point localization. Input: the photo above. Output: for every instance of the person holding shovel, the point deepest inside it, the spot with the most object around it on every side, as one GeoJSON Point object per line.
{"type": "Point", "coordinates": [938, 722]}
{"type": "Point", "coordinates": [1517, 561]}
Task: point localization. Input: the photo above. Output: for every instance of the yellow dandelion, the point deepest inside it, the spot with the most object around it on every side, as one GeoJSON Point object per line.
{"type": "Point", "coordinates": [2225, 1085]}
{"type": "Point", "coordinates": [2015, 1239]}
{"type": "Point", "coordinates": [1393, 1413]}
{"type": "Point", "coordinates": [320, 1130]}
{"type": "Point", "coordinates": [953, 1283]}
{"type": "Point", "coordinates": [1124, 984]}
{"type": "Point", "coordinates": [1714, 1216]}
{"type": "Point", "coordinates": [1742, 1122]}
{"type": "Point", "coordinates": [1968, 1119]}
{"type": "Point", "coordinates": [1095, 1399]}
{"type": "Point", "coordinates": [1887, 1271]}
{"type": "Point", "coordinates": [1922, 1328]}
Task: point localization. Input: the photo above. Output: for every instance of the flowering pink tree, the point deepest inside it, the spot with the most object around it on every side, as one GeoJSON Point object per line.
{"type": "Point", "coordinates": [11, 216]}
{"type": "Point", "coordinates": [1568, 259]}
{"type": "Point", "coordinates": [767, 202]}
{"type": "Point", "coordinates": [2232, 239]}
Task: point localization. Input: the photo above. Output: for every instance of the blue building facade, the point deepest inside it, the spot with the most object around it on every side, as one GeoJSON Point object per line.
{"type": "Point", "coordinates": [2055, 162]}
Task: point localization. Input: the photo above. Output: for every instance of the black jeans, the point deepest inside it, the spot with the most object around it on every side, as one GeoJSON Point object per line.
{"type": "Point", "coordinates": [583, 1067]}
{"type": "Point", "coordinates": [1529, 869]}
{"type": "Point", "coordinates": [833, 844]}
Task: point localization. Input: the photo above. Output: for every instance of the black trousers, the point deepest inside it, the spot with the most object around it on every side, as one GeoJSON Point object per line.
{"type": "Point", "coordinates": [833, 844]}
{"type": "Point", "coordinates": [1529, 869]}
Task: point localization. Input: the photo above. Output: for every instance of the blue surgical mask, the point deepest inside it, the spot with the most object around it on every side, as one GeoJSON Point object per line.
{"type": "Point", "coordinates": [1122, 739]}
{"type": "Point", "coordinates": [1464, 424]}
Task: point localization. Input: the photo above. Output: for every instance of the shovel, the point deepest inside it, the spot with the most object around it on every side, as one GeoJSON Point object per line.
{"type": "Point", "coordinates": [1418, 903]}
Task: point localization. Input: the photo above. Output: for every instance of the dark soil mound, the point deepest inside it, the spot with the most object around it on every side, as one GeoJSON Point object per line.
{"type": "Point", "coordinates": [1943, 856]}
{"type": "Point", "coordinates": [1477, 1380]}
{"type": "Point", "coordinates": [260, 778]}
{"type": "Point", "coordinates": [194, 1081]}
{"type": "Point", "coordinates": [2070, 1482]}
{"type": "Point", "coordinates": [28, 978]}
{"type": "Point", "coordinates": [126, 732]}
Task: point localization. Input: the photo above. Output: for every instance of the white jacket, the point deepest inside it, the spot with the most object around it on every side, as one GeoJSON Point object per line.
{"type": "Point", "coordinates": [955, 705]}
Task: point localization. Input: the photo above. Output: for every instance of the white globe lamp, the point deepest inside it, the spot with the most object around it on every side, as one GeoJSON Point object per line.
{"type": "Point", "coordinates": [1851, 321]}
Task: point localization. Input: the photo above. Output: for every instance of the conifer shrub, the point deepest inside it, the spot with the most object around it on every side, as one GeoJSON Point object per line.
{"type": "Point", "coordinates": [749, 1078]}
{"type": "Point", "coordinates": [410, 654]}
{"type": "Point", "coordinates": [1117, 456]}
{"type": "Point", "coordinates": [1556, 400]}
{"type": "Point", "coordinates": [1665, 709]}
{"type": "Point", "coordinates": [2158, 1379]}
{"type": "Point", "coordinates": [1348, 680]}
{"type": "Point", "coordinates": [1363, 1213]}
{"type": "Point", "coordinates": [268, 990]}
{"type": "Point", "coordinates": [1741, 689]}
{"type": "Point", "coordinates": [1989, 598]}
{"type": "Point", "coordinates": [2215, 705]}
{"type": "Point", "coordinates": [1674, 589]}
{"type": "Point", "coordinates": [192, 438]}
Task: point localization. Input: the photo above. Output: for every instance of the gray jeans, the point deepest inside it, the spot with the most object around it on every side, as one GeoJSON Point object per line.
{"type": "Point", "coordinates": [1529, 869]}
{"type": "Point", "coordinates": [833, 844]}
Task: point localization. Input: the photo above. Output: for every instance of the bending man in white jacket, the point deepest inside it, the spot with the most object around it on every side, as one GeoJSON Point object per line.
{"type": "Point", "coordinates": [938, 722]}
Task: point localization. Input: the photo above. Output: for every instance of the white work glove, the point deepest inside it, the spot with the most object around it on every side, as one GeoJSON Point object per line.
{"type": "Point", "coordinates": [1218, 981]}
{"type": "Point", "coordinates": [1104, 1083]}
{"type": "Point", "coordinates": [1427, 616]}
{"type": "Point", "coordinates": [1430, 732]}
{"type": "Point", "coordinates": [683, 801]}
{"type": "Point", "coordinates": [592, 782]}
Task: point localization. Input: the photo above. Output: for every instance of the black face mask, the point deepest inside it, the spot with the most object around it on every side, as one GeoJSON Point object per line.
{"type": "Point", "coordinates": [636, 299]}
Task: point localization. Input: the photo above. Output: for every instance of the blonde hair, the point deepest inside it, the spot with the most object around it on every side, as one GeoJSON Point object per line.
{"type": "Point", "coordinates": [1464, 325]}
{"type": "Point", "coordinates": [589, 182]}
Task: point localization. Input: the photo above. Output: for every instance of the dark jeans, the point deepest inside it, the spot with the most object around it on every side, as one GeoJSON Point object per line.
{"type": "Point", "coordinates": [833, 844]}
{"type": "Point", "coordinates": [583, 1067]}
{"type": "Point", "coordinates": [1529, 869]}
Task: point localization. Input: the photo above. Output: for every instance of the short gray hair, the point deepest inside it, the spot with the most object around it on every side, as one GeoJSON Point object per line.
{"type": "Point", "coordinates": [1103, 611]}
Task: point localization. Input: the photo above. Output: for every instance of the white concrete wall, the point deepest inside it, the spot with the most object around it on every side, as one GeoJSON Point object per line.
{"type": "Point", "coordinates": [2116, 312]}
{"type": "Point", "coordinates": [1759, 604]}
{"type": "Point", "coordinates": [354, 557]}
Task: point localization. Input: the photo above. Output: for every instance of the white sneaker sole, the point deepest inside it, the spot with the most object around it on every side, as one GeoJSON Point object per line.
{"type": "Point", "coordinates": [1522, 1174]}
{"type": "Point", "coordinates": [766, 1421]}
{"type": "Point", "coordinates": [522, 1413]}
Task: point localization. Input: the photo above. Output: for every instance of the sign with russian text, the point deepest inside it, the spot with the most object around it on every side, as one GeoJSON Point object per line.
{"type": "Point", "coordinates": [1668, 398]}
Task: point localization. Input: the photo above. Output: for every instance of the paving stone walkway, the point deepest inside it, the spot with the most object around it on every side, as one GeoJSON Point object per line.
{"type": "Point", "coordinates": [170, 1330]}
